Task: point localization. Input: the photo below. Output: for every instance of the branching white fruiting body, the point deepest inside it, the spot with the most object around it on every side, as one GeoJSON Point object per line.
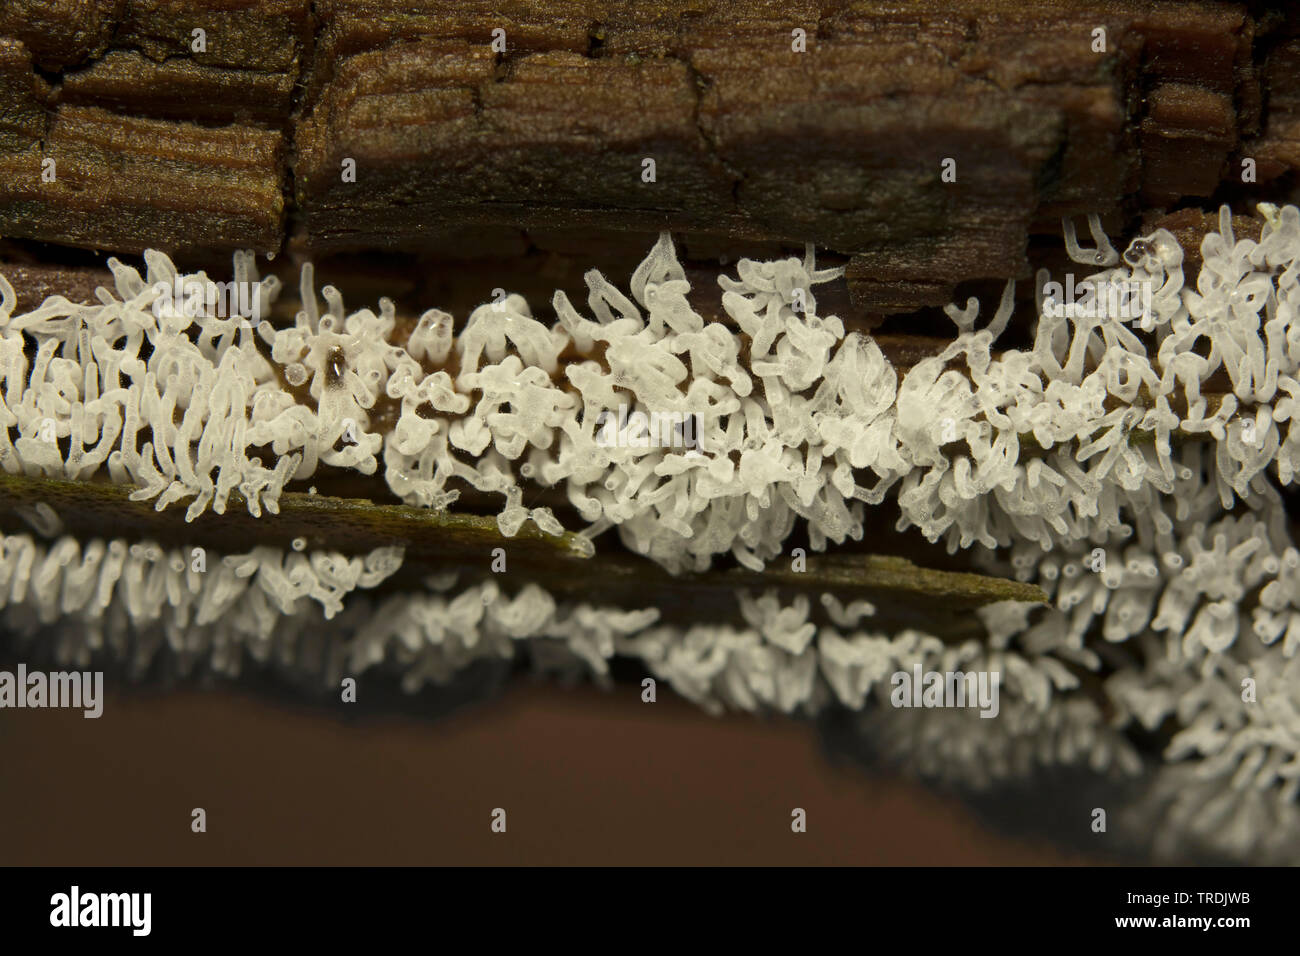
{"type": "Point", "coordinates": [1179, 555]}
{"type": "Point", "coordinates": [830, 428]}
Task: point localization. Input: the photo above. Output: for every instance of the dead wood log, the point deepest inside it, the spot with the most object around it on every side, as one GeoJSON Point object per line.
{"type": "Point", "coordinates": [201, 127]}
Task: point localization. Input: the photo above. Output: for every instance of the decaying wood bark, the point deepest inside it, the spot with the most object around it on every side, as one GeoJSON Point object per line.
{"type": "Point", "coordinates": [202, 127]}
{"type": "Point", "coordinates": [206, 126]}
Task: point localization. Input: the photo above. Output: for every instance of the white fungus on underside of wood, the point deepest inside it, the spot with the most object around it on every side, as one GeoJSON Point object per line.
{"type": "Point", "coordinates": [1200, 582]}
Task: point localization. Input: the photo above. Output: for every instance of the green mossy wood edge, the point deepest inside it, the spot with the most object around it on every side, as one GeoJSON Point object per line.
{"type": "Point", "coordinates": [905, 593]}
{"type": "Point", "coordinates": [441, 540]}
{"type": "Point", "coordinates": [348, 525]}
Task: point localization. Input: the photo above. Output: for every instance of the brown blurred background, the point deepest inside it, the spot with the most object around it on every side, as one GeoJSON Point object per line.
{"type": "Point", "coordinates": [586, 777]}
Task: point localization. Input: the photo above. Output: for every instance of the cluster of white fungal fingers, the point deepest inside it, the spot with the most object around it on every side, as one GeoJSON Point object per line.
{"type": "Point", "coordinates": [794, 431]}
{"type": "Point", "coordinates": [210, 610]}
{"type": "Point", "coordinates": [210, 606]}
{"type": "Point", "coordinates": [136, 601]}
{"type": "Point", "coordinates": [1093, 463]}
{"type": "Point", "coordinates": [106, 590]}
{"type": "Point", "coordinates": [1183, 811]}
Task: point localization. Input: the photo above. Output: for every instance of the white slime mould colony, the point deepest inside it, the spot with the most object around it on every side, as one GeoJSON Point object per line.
{"type": "Point", "coordinates": [1200, 588]}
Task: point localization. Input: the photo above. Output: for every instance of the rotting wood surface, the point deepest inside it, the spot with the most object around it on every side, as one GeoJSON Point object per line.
{"type": "Point", "coordinates": [237, 137]}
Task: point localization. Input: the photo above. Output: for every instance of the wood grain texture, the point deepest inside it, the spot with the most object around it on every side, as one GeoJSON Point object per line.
{"type": "Point", "coordinates": [239, 141]}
